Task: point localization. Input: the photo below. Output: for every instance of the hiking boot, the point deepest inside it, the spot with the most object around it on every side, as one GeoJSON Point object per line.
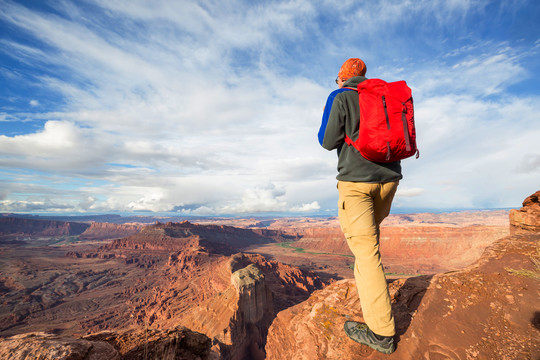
{"type": "Point", "coordinates": [361, 333]}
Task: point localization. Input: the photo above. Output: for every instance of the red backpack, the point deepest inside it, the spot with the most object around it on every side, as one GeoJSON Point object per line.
{"type": "Point", "coordinates": [387, 131]}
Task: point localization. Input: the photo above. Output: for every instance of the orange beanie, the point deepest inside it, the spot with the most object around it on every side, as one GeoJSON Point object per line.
{"type": "Point", "coordinates": [352, 67]}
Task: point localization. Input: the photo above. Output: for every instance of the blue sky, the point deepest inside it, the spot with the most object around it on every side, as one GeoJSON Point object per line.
{"type": "Point", "coordinates": [212, 107]}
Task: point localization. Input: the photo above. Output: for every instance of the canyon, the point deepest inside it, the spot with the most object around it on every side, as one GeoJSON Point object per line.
{"type": "Point", "coordinates": [255, 288]}
{"type": "Point", "coordinates": [163, 276]}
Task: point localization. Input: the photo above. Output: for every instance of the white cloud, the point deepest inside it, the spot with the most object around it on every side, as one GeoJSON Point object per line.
{"type": "Point", "coordinates": [266, 198]}
{"type": "Point", "coordinates": [470, 150]}
{"type": "Point", "coordinates": [529, 163]}
{"type": "Point", "coordinates": [202, 211]}
{"type": "Point", "coordinates": [34, 103]}
{"type": "Point", "coordinates": [150, 201]}
{"type": "Point", "coordinates": [5, 117]}
{"type": "Point", "coordinates": [32, 206]}
{"type": "Point", "coordinates": [87, 203]}
{"type": "Point", "coordinates": [408, 192]}
{"type": "Point", "coordinates": [306, 207]}
{"type": "Point", "coordinates": [489, 69]}
{"type": "Point", "coordinates": [387, 12]}
{"type": "Point", "coordinates": [56, 137]}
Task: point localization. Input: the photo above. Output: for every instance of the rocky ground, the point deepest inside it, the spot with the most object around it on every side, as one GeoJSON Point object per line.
{"type": "Point", "coordinates": [489, 310]}
{"type": "Point", "coordinates": [178, 343]}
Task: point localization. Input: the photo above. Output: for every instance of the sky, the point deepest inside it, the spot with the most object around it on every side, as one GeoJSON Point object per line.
{"type": "Point", "coordinates": [213, 107]}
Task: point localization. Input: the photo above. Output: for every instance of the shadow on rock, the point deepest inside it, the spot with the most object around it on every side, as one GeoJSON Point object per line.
{"type": "Point", "coordinates": [407, 295]}
{"type": "Point", "coordinates": [175, 343]}
{"type": "Point", "coordinates": [535, 321]}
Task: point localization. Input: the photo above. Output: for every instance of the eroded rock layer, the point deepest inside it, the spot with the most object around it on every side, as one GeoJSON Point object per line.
{"type": "Point", "coordinates": [413, 249]}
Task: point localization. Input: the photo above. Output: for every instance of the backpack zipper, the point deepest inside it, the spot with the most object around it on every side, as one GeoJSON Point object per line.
{"type": "Point", "coordinates": [405, 127]}
{"type": "Point", "coordinates": [386, 113]}
{"type": "Point", "coordinates": [388, 152]}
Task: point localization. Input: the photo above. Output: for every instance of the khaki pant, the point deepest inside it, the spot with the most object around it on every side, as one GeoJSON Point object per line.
{"type": "Point", "coordinates": [362, 207]}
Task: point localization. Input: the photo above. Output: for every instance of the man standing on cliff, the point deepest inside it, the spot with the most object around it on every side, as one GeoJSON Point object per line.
{"type": "Point", "coordinates": [366, 190]}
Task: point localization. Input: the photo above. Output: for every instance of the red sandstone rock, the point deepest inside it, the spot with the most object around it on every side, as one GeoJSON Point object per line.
{"type": "Point", "coordinates": [177, 236]}
{"type": "Point", "coordinates": [239, 311]}
{"type": "Point", "coordinates": [434, 249]}
{"type": "Point", "coordinates": [177, 343]}
{"type": "Point", "coordinates": [47, 346]}
{"type": "Point", "coordinates": [528, 217]}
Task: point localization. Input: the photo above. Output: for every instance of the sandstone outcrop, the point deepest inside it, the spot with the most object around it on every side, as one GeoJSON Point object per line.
{"type": "Point", "coordinates": [48, 346]}
{"type": "Point", "coordinates": [177, 343]}
{"type": "Point", "coordinates": [237, 317]}
{"type": "Point", "coordinates": [528, 217]}
{"type": "Point", "coordinates": [434, 249]}
{"type": "Point", "coordinates": [255, 299]}
{"type": "Point", "coordinates": [489, 310]}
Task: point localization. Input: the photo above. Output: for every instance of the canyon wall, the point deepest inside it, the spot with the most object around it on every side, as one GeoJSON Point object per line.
{"type": "Point", "coordinates": [15, 227]}
{"type": "Point", "coordinates": [413, 249]}
{"type": "Point", "coordinates": [102, 231]}
{"type": "Point", "coordinates": [432, 249]}
{"type": "Point", "coordinates": [21, 226]}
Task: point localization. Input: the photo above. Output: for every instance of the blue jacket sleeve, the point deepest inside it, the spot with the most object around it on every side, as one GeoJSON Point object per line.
{"type": "Point", "coordinates": [326, 113]}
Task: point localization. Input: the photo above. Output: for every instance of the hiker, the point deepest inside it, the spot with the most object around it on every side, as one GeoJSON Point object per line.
{"type": "Point", "coordinates": [366, 190]}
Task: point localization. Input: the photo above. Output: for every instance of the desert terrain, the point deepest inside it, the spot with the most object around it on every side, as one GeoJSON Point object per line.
{"type": "Point", "coordinates": [411, 244]}
{"type": "Point", "coordinates": [214, 288]}
{"type": "Point", "coordinates": [156, 277]}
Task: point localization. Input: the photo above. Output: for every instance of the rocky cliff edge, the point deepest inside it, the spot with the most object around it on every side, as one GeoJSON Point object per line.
{"type": "Point", "coordinates": [177, 343]}
{"type": "Point", "coordinates": [489, 310]}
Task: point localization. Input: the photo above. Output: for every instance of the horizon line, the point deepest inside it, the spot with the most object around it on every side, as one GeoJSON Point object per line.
{"type": "Point", "coordinates": [281, 214]}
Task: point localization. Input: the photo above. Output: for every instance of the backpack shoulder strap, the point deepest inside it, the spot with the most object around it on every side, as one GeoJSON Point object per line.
{"type": "Point", "coordinates": [348, 140]}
